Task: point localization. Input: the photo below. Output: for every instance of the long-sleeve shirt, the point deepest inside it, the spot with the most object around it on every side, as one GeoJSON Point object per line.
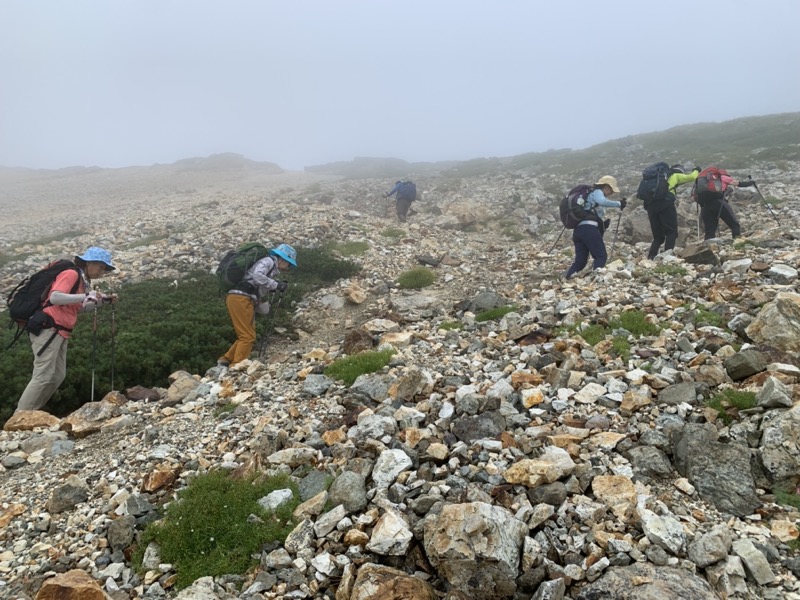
{"type": "Point", "coordinates": [597, 201]}
{"type": "Point", "coordinates": [677, 179]}
{"type": "Point", "coordinates": [261, 278]}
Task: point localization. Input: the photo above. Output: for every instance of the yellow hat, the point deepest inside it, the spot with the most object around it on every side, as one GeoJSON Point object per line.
{"type": "Point", "coordinates": [610, 181]}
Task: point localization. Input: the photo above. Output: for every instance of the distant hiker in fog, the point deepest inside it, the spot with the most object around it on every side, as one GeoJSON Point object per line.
{"type": "Point", "coordinates": [50, 326]}
{"type": "Point", "coordinates": [248, 298]}
{"type": "Point", "coordinates": [588, 234]}
{"type": "Point", "coordinates": [406, 194]}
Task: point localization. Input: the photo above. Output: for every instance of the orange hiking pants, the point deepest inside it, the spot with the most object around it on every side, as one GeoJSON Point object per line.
{"type": "Point", "coordinates": [243, 316]}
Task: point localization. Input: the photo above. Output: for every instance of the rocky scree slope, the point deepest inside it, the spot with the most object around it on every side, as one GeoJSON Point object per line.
{"type": "Point", "coordinates": [505, 459]}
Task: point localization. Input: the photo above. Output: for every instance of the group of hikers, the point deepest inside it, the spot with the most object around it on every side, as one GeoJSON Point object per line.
{"type": "Point", "coordinates": [66, 289]}
{"type": "Point", "coordinates": [68, 292]}
{"type": "Point", "coordinates": [583, 209]}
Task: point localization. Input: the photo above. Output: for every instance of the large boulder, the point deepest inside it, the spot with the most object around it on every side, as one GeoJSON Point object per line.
{"type": "Point", "coordinates": [643, 581]}
{"type": "Point", "coordinates": [475, 547]}
{"type": "Point", "coordinates": [720, 472]}
{"type": "Point", "coordinates": [778, 323]}
{"type": "Point", "coordinates": [778, 453]}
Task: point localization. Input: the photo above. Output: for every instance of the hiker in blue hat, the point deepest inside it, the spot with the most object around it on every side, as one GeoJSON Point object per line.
{"type": "Point", "coordinates": [49, 328]}
{"type": "Point", "coordinates": [248, 299]}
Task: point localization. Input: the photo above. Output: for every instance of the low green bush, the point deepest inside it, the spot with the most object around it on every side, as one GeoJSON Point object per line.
{"type": "Point", "coordinates": [494, 313]}
{"type": "Point", "coordinates": [593, 334]}
{"type": "Point", "coordinates": [703, 316]}
{"type": "Point", "coordinates": [160, 328]}
{"type": "Point", "coordinates": [416, 278]}
{"type": "Point", "coordinates": [350, 367]}
{"type": "Point", "coordinates": [670, 270]}
{"type": "Point", "coordinates": [209, 530]}
{"type": "Point", "coordinates": [352, 248]}
{"type": "Point", "coordinates": [786, 497]}
{"type": "Point", "coordinates": [393, 232]}
{"type": "Point", "coordinates": [635, 321]}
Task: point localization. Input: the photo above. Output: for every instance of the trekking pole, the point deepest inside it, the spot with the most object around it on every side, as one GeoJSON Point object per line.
{"type": "Point", "coordinates": [113, 341]}
{"type": "Point", "coordinates": [94, 346]}
{"type": "Point", "coordinates": [698, 222]}
{"type": "Point", "coordinates": [616, 231]}
{"type": "Point", "coordinates": [558, 239]}
{"type": "Point", "coordinates": [262, 345]}
{"type": "Point", "coordinates": [769, 208]}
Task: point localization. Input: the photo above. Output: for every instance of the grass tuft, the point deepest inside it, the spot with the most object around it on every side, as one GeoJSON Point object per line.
{"type": "Point", "coordinates": [494, 313]}
{"type": "Point", "coordinates": [635, 321]}
{"type": "Point", "coordinates": [671, 270]}
{"type": "Point", "coordinates": [729, 402]}
{"type": "Point", "coordinates": [350, 367]}
{"type": "Point", "coordinates": [450, 325]}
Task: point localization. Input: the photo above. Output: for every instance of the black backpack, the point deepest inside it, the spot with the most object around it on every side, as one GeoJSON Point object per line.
{"type": "Point", "coordinates": [653, 186]}
{"type": "Point", "coordinates": [572, 211]}
{"type": "Point", "coordinates": [30, 295]}
{"type": "Point", "coordinates": [234, 265]}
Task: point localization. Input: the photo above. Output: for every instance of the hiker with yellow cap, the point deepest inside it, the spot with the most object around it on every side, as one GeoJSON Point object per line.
{"type": "Point", "coordinates": [588, 234]}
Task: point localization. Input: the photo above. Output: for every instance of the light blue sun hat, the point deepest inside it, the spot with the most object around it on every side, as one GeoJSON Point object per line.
{"type": "Point", "coordinates": [286, 252]}
{"type": "Point", "coordinates": [97, 254]}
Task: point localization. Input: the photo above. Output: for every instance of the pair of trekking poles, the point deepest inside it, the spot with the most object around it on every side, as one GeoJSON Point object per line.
{"type": "Point", "coordinates": [613, 243]}
{"type": "Point", "coordinates": [723, 201]}
{"type": "Point", "coordinates": [113, 344]}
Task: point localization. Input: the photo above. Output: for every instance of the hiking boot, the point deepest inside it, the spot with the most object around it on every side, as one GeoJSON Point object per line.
{"type": "Point", "coordinates": [223, 363]}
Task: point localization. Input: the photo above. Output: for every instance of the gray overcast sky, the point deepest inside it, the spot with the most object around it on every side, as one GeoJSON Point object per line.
{"type": "Point", "coordinates": [299, 82]}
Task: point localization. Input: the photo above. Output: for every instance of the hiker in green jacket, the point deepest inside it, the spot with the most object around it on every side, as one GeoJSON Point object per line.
{"type": "Point", "coordinates": [663, 214]}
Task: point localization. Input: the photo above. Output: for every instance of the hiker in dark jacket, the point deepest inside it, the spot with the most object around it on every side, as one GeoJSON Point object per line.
{"type": "Point", "coordinates": [588, 235]}
{"type": "Point", "coordinates": [249, 298]}
{"type": "Point", "coordinates": [663, 214]}
{"type": "Point", "coordinates": [712, 209]}
{"type": "Point", "coordinates": [60, 313]}
{"type": "Point", "coordinates": [406, 194]}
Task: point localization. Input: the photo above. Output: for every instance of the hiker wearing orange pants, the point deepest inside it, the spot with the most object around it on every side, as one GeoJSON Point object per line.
{"type": "Point", "coordinates": [243, 300]}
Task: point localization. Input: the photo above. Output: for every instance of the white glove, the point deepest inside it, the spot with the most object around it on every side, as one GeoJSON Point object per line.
{"type": "Point", "coordinates": [92, 299]}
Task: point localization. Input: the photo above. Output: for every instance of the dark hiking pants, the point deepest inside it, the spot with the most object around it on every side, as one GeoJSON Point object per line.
{"type": "Point", "coordinates": [403, 204]}
{"type": "Point", "coordinates": [663, 218]}
{"type": "Point", "coordinates": [588, 239]}
{"type": "Point", "coordinates": [714, 210]}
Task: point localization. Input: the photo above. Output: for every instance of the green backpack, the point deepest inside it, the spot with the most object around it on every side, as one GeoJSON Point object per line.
{"type": "Point", "coordinates": [234, 265]}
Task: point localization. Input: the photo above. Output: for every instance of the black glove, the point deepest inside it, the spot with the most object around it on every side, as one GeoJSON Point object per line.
{"type": "Point", "coordinates": [698, 169]}
{"type": "Point", "coordinates": [606, 224]}
{"type": "Point", "coordinates": [623, 203]}
{"type": "Point", "coordinates": [282, 285]}
{"type": "Point", "coordinates": [747, 183]}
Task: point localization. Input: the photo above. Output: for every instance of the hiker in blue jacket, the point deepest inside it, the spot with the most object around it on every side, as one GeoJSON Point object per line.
{"type": "Point", "coordinates": [406, 194]}
{"type": "Point", "coordinates": [588, 235]}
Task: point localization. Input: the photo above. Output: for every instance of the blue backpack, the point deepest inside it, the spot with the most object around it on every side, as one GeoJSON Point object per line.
{"type": "Point", "coordinates": [653, 186]}
{"type": "Point", "coordinates": [407, 191]}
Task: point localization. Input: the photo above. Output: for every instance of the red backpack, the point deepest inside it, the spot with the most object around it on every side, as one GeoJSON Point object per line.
{"type": "Point", "coordinates": [709, 185]}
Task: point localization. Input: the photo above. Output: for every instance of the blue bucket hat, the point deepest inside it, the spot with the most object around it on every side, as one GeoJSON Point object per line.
{"type": "Point", "coordinates": [286, 252]}
{"type": "Point", "coordinates": [97, 254]}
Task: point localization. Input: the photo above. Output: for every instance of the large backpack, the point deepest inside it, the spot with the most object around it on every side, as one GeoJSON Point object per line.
{"type": "Point", "coordinates": [572, 211]}
{"type": "Point", "coordinates": [234, 265]}
{"type": "Point", "coordinates": [31, 294]}
{"type": "Point", "coordinates": [407, 191]}
{"type": "Point", "coordinates": [709, 185]}
{"type": "Point", "coordinates": [653, 186]}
